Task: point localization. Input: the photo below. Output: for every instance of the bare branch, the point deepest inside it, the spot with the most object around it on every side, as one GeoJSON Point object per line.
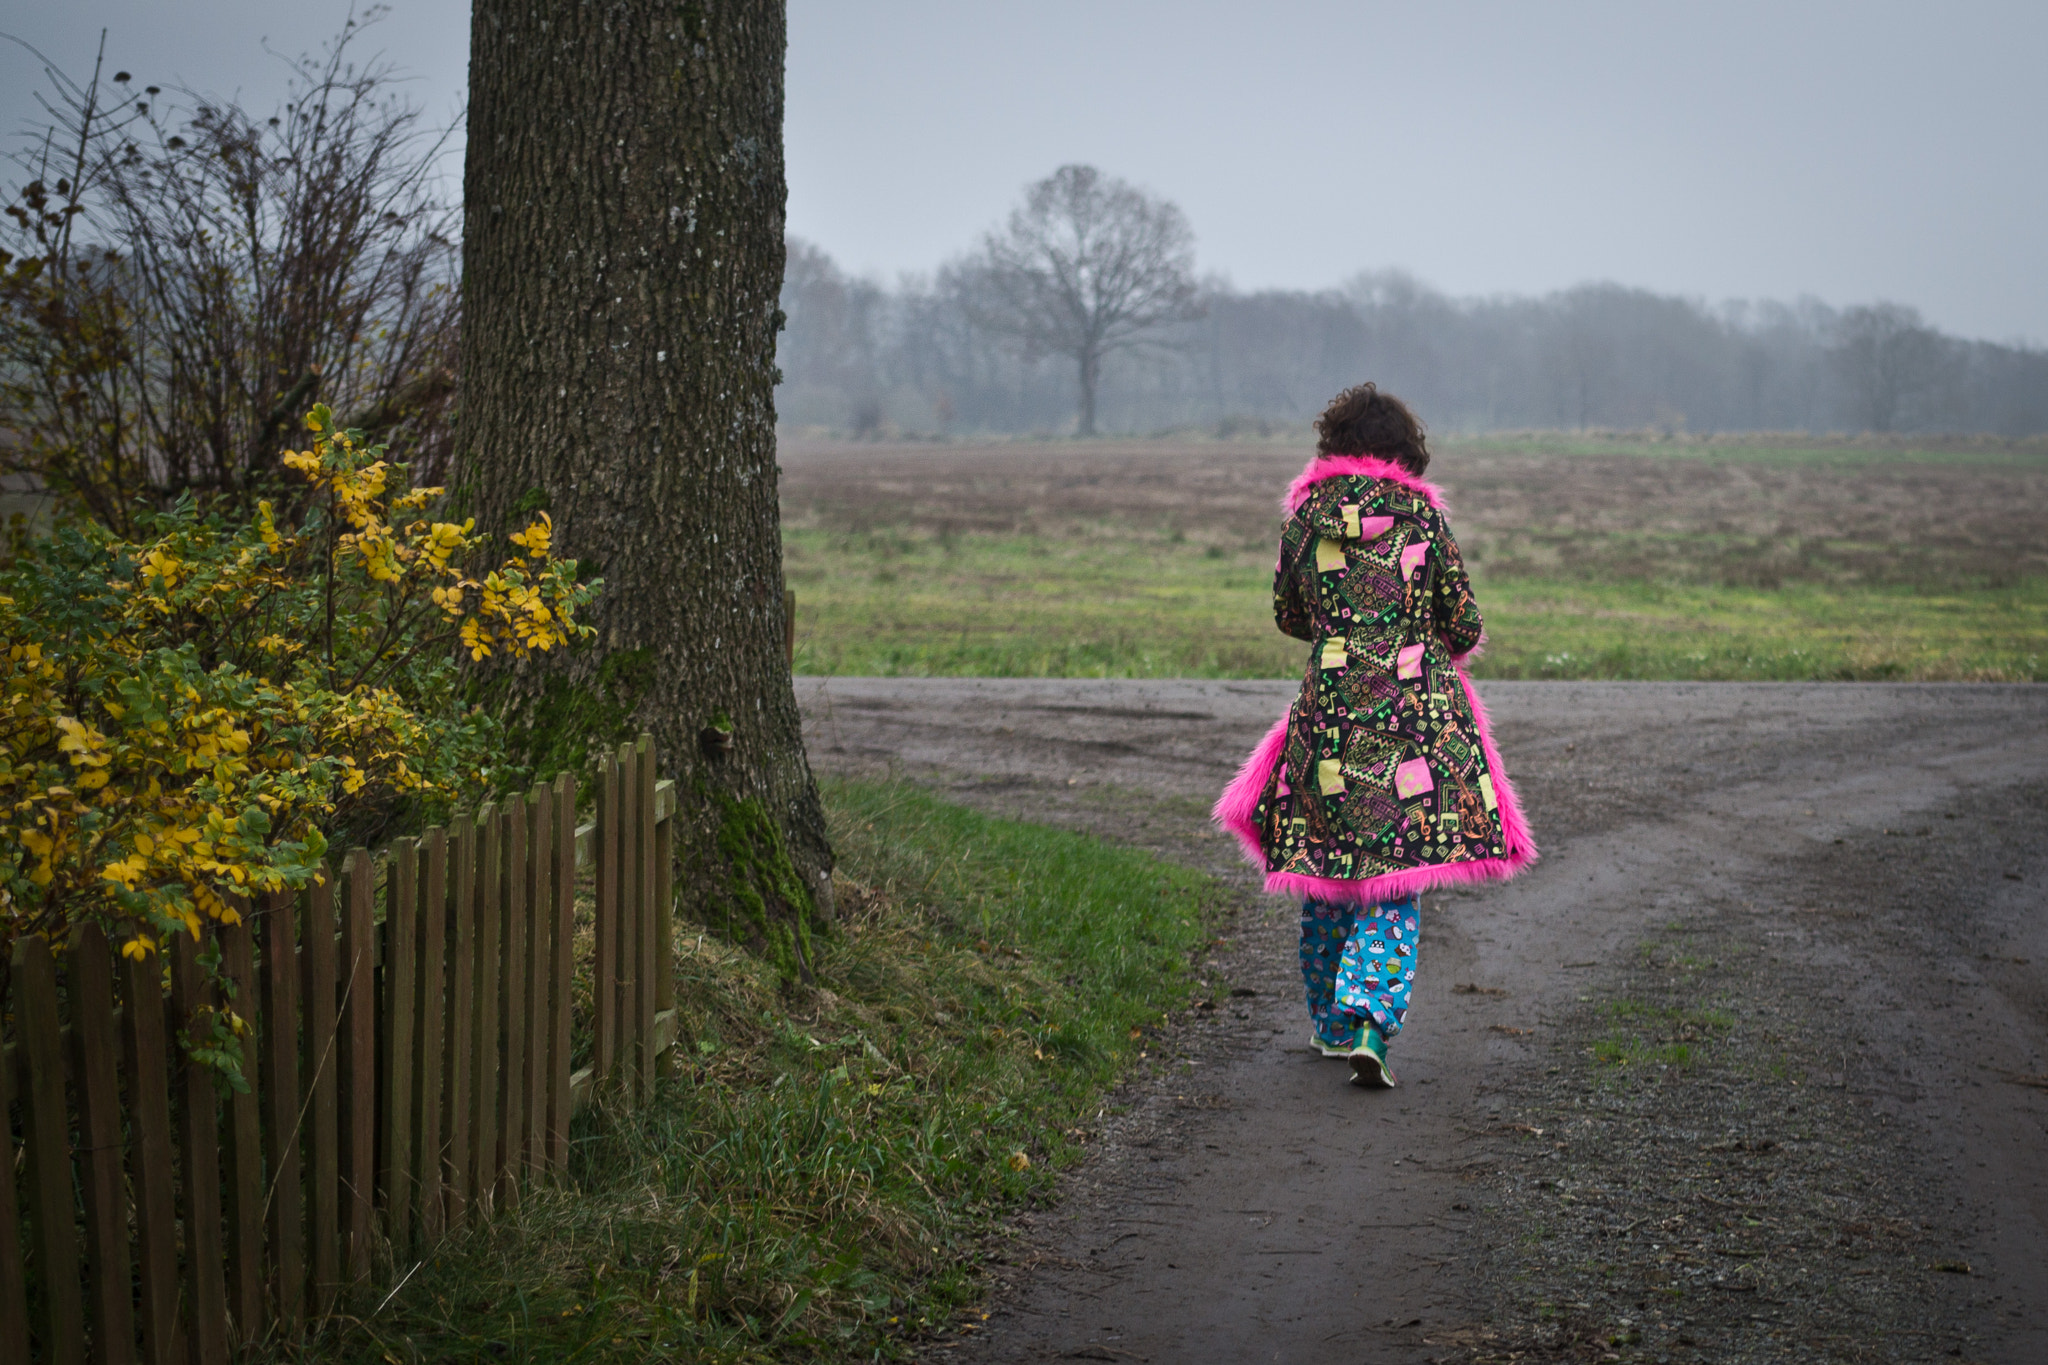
{"type": "Point", "coordinates": [163, 302]}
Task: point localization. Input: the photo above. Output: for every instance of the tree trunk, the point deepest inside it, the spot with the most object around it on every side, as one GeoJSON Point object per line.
{"type": "Point", "coordinates": [622, 253]}
{"type": "Point", "coordinates": [1091, 372]}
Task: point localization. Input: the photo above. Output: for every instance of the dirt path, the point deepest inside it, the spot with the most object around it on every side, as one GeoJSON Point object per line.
{"type": "Point", "coordinates": [1858, 870]}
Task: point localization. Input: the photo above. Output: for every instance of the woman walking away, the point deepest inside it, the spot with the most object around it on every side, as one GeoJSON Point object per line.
{"type": "Point", "coordinates": [1382, 780]}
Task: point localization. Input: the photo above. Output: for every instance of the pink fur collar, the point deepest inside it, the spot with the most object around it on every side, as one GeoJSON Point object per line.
{"type": "Point", "coordinates": [1364, 466]}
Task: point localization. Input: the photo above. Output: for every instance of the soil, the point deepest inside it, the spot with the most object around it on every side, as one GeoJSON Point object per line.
{"type": "Point", "coordinates": [1518, 512]}
{"type": "Point", "coordinates": [1750, 1066]}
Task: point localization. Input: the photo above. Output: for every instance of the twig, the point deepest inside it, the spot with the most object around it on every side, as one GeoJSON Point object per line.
{"type": "Point", "coordinates": [394, 1292]}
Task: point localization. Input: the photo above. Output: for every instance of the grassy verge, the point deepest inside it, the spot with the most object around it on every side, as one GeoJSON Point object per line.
{"type": "Point", "coordinates": [815, 1182]}
{"type": "Point", "coordinates": [1119, 602]}
{"type": "Point", "coordinates": [1562, 629]}
{"type": "Point", "coordinates": [1104, 602]}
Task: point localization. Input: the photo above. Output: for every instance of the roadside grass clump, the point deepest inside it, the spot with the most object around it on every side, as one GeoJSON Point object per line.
{"type": "Point", "coordinates": [818, 1178]}
{"type": "Point", "coordinates": [1646, 1034]}
{"type": "Point", "coordinates": [1625, 1051]}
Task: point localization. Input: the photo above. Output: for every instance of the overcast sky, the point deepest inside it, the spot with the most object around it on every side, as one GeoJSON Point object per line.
{"type": "Point", "coordinates": [1849, 149]}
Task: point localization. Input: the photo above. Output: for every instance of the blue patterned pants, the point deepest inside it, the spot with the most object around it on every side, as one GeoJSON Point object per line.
{"type": "Point", "coordinates": [1358, 962]}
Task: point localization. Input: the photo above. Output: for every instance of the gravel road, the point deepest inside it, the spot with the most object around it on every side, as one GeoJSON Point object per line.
{"type": "Point", "coordinates": [1853, 1168]}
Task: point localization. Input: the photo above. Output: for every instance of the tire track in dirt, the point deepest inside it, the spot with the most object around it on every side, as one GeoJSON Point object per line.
{"type": "Point", "coordinates": [1245, 1204]}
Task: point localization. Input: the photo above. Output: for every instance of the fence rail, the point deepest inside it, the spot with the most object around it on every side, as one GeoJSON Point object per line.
{"type": "Point", "coordinates": [408, 1059]}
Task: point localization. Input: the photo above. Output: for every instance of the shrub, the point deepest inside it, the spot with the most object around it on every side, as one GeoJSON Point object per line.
{"type": "Point", "coordinates": [186, 719]}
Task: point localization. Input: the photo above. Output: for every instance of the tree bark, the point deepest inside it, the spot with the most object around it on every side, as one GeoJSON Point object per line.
{"type": "Point", "coordinates": [623, 252]}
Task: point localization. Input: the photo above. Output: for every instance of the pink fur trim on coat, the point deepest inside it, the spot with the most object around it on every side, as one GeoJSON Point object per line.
{"type": "Point", "coordinates": [1237, 810]}
{"type": "Point", "coordinates": [1355, 466]}
{"type": "Point", "coordinates": [1395, 886]}
{"type": "Point", "coordinates": [1516, 837]}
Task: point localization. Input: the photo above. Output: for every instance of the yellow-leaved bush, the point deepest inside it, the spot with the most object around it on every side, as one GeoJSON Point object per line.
{"type": "Point", "coordinates": [186, 719]}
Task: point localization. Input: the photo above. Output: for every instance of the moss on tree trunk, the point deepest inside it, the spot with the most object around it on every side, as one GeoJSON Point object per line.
{"type": "Point", "coordinates": [753, 891]}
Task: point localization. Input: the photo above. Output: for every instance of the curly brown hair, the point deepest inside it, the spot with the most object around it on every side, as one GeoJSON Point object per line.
{"type": "Point", "coordinates": [1363, 421]}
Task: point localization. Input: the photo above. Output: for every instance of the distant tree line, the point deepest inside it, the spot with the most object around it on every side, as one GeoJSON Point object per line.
{"type": "Point", "coordinates": [978, 346]}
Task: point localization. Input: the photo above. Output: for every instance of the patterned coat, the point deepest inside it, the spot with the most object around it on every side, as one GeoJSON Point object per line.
{"type": "Point", "coordinates": [1382, 778]}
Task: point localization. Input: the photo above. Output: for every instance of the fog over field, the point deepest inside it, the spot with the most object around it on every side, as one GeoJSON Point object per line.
{"type": "Point", "coordinates": [922, 358]}
{"type": "Point", "coordinates": [1515, 216]}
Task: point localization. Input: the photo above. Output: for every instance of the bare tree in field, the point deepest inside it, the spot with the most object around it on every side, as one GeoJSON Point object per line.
{"type": "Point", "coordinates": [622, 253]}
{"type": "Point", "coordinates": [1087, 266]}
{"type": "Point", "coordinates": [1886, 360]}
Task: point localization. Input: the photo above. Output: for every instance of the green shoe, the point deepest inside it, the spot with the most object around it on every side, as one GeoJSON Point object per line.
{"type": "Point", "coordinates": [1369, 1062]}
{"type": "Point", "coordinates": [1340, 1044]}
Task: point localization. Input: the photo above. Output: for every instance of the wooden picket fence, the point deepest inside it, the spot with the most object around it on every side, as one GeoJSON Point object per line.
{"type": "Point", "coordinates": [408, 1067]}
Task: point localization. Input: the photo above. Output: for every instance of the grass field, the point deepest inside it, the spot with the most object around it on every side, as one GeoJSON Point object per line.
{"type": "Point", "coordinates": [1592, 559]}
{"type": "Point", "coordinates": [816, 1184]}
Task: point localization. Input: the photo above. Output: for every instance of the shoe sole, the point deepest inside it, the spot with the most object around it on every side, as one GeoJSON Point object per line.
{"type": "Point", "coordinates": [1369, 1071]}
{"type": "Point", "coordinates": [1320, 1046]}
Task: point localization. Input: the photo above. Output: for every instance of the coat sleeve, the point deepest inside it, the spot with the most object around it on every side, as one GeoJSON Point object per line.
{"type": "Point", "coordinates": [1294, 615]}
{"type": "Point", "coordinates": [1453, 610]}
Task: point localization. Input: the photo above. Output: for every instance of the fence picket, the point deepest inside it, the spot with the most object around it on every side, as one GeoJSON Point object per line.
{"type": "Point", "coordinates": [429, 1160]}
{"type": "Point", "coordinates": [110, 1308]}
{"type": "Point", "coordinates": [664, 918]}
{"type": "Point", "coordinates": [199, 1146]}
{"type": "Point", "coordinates": [284, 1195]}
{"type": "Point", "coordinates": [512, 1011]}
{"type": "Point", "coordinates": [539, 956]}
{"type": "Point", "coordinates": [459, 1005]}
{"type": "Point", "coordinates": [559, 1003]}
{"type": "Point", "coordinates": [244, 1148]}
{"type": "Point", "coordinates": [605, 979]}
{"type": "Point", "coordinates": [358, 1059]}
{"type": "Point", "coordinates": [149, 1118]}
{"type": "Point", "coordinates": [483, 1131]}
{"type": "Point", "coordinates": [400, 953]}
{"type": "Point", "coordinates": [645, 975]}
{"type": "Point", "coordinates": [320, 1065]}
{"type": "Point", "coordinates": [13, 1282]}
{"type": "Point", "coordinates": [53, 1237]}
{"type": "Point", "coordinates": [14, 1319]}
{"type": "Point", "coordinates": [626, 1062]}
